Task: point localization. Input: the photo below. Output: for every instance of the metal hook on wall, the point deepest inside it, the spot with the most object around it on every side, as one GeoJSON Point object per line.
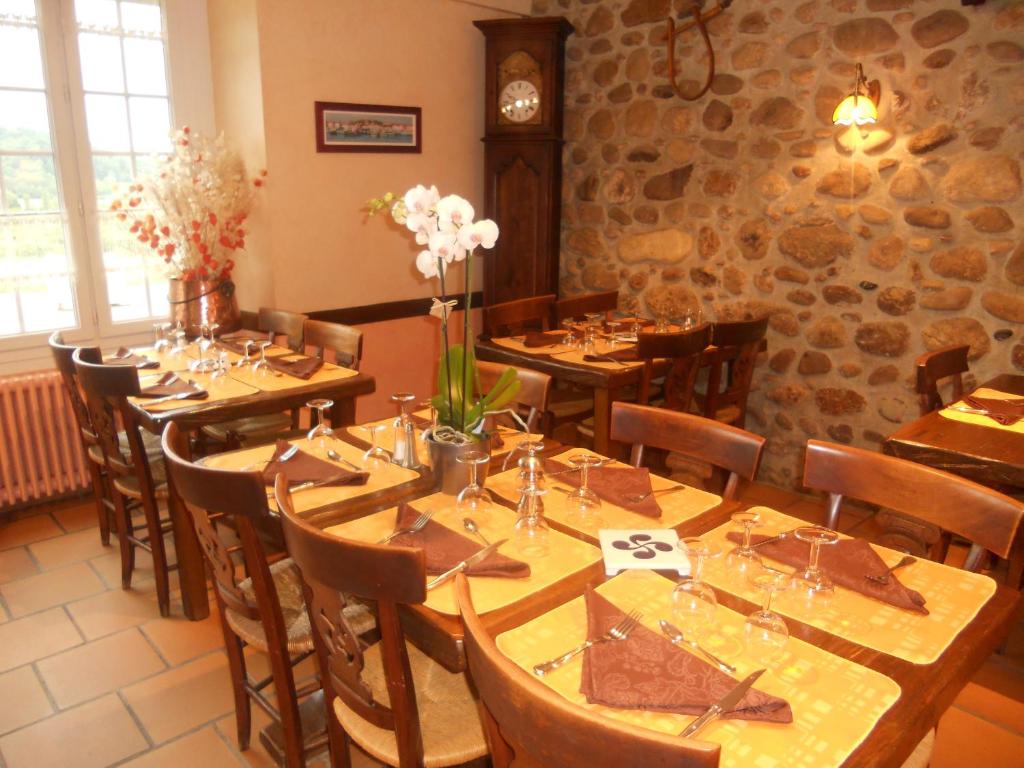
{"type": "Point", "coordinates": [699, 19]}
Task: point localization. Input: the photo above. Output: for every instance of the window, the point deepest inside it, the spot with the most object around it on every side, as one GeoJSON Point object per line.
{"type": "Point", "coordinates": [85, 107]}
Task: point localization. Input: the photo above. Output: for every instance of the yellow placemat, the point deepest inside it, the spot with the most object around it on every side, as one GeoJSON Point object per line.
{"type": "Point", "coordinates": [168, 363]}
{"type": "Point", "coordinates": [516, 343]}
{"type": "Point", "coordinates": [676, 507]}
{"type": "Point", "coordinates": [980, 420]}
{"type": "Point", "coordinates": [953, 598]}
{"type": "Point", "coordinates": [314, 498]}
{"type": "Point", "coordinates": [223, 388]}
{"type": "Point", "coordinates": [273, 350]}
{"type": "Point", "coordinates": [565, 555]}
{"type": "Point", "coordinates": [576, 356]}
{"type": "Point", "coordinates": [835, 702]}
{"type": "Point", "coordinates": [272, 383]}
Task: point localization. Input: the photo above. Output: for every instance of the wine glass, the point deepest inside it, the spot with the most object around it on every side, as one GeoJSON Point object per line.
{"type": "Point", "coordinates": [531, 535]}
{"type": "Point", "coordinates": [322, 432]}
{"type": "Point", "coordinates": [766, 632]}
{"type": "Point", "coordinates": [375, 457]}
{"type": "Point", "coordinates": [433, 417]}
{"type": "Point", "coordinates": [812, 584]}
{"type": "Point", "coordinates": [583, 504]}
{"type": "Point", "coordinates": [569, 339]}
{"type": "Point", "coordinates": [474, 498]}
{"type": "Point", "coordinates": [693, 601]}
{"type": "Point", "coordinates": [613, 332]}
{"type": "Point", "coordinates": [661, 320]}
{"type": "Point", "coordinates": [220, 368]}
{"type": "Point", "coordinates": [743, 560]}
{"type": "Point", "coordinates": [180, 345]}
{"type": "Point", "coordinates": [204, 342]}
{"type": "Point", "coordinates": [160, 340]}
{"type": "Point", "coordinates": [262, 367]}
{"type": "Point", "coordinates": [247, 358]}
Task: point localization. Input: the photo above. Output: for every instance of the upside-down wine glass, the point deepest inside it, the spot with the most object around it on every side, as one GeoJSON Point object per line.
{"type": "Point", "coordinates": [160, 340]}
{"type": "Point", "coordinates": [583, 504]}
{"type": "Point", "coordinates": [322, 432]}
{"type": "Point", "coordinates": [812, 584]}
{"type": "Point", "coordinates": [474, 498]}
{"type": "Point", "coordinates": [743, 559]}
{"type": "Point", "coordinates": [569, 339]}
{"type": "Point", "coordinates": [375, 457]}
{"type": "Point", "coordinates": [261, 367]}
{"type": "Point", "coordinates": [766, 631]}
{"type": "Point", "coordinates": [613, 332]}
{"type": "Point", "coordinates": [180, 345]}
{"type": "Point", "coordinates": [220, 368]}
{"type": "Point", "coordinates": [693, 601]}
{"type": "Point", "coordinates": [247, 358]}
{"type": "Point", "coordinates": [531, 534]}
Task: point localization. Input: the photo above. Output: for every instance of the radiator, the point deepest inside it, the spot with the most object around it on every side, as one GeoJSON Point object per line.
{"type": "Point", "coordinates": [40, 450]}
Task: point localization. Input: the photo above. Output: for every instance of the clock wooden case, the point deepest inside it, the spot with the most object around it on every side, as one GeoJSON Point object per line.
{"type": "Point", "coordinates": [523, 153]}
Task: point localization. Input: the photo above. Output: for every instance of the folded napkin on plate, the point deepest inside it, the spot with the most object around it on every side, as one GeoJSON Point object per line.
{"type": "Point", "coordinates": [646, 671]}
{"type": "Point", "coordinates": [613, 484]}
{"type": "Point", "coordinates": [304, 467]}
{"type": "Point", "coordinates": [537, 339]}
{"type": "Point", "coordinates": [627, 355]}
{"type": "Point", "coordinates": [444, 548]}
{"type": "Point", "coordinates": [846, 562]}
{"type": "Point", "coordinates": [171, 384]}
{"type": "Point", "coordinates": [1005, 412]}
{"type": "Point", "coordinates": [301, 368]}
{"type": "Point", "coordinates": [125, 356]}
{"type": "Point", "coordinates": [235, 342]}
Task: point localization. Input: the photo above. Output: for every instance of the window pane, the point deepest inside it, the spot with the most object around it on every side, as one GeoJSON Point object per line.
{"type": "Point", "coordinates": [21, 66]}
{"type": "Point", "coordinates": [101, 62]}
{"type": "Point", "coordinates": [107, 119]}
{"type": "Point", "coordinates": [148, 165]}
{"type": "Point", "coordinates": [36, 282]}
{"type": "Point", "coordinates": [150, 124]}
{"type": "Point", "coordinates": [24, 121]}
{"type": "Point", "coordinates": [113, 173]}
{"type": "Point", "coordinates": [141, 17]}
{"type": "Point", "coordinates": [22, 10]}
{"type": "Point", "coordinates": [30, 183]}
{"type": "Point", "coordinates": [96, 14]}
{"type": "Point", "coordinates": [144, 63]}
{"type": "Point", "coordinates": [128, 263]}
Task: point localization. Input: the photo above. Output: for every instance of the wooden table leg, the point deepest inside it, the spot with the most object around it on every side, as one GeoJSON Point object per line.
{"type": "Point", "coordinates": [602, 420]}
{"type": "Point", "coordinates": [191, 565]}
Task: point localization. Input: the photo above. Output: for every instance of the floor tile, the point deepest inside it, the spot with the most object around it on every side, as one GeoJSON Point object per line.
{"type": "Point", "coordinates": [51, 588]}
{"type": "Point", "coordinates": [17, 533]}
{"type": "Point", "coordinates": [99, 667]}
{"type": "Point", "coordinates": [35, 637]}
{"type": "Point", "coordinates": [22, 699]}
{"type": "Point", "coordinates": [16, 564]}
{"type": "Point", "coordinates": [996, 693]}
{"type": "Point", "coordinates": [182, 698]}
{"type": "Point", "coordinates": [256, 756]}
{"type": "Point", "coordinates": [180, 640]}
{"type": "Point", "coordinates": [78, 517]}
{"type": "Point", "coordinates": [96, 734]}
{"type": "Point", "coordinates": [202, 749]}
{"type": "Point", "coordinates": [114, 610]}
{"type": "Point", "coordinates": [67, 549]}
{"type": "Point", "coordinates": [108, 566]}
{"type": "Point", "coordinates": [964, 739]}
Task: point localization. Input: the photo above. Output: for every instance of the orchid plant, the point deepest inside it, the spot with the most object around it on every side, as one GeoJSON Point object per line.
{"type": "Point", "coordinates": [446, 229]}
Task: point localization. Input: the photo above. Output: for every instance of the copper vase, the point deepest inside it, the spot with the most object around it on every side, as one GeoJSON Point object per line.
{"type": "Point", "coordinates": [195, 303]}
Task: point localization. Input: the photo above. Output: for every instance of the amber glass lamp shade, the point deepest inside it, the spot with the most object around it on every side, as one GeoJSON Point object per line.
{"type": "Point", "coordinates": [855, 109]}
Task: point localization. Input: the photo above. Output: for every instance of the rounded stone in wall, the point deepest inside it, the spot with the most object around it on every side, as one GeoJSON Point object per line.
{"type": "Point", "coordinates": [827, 333]}
{"type": "Point", "coordinates": [725, 84]}
{"type": "Point", "coordinates": [620, 186]}
{"type": "Point", "coordinates": [939, 59]}
{"type": "Point", "coordinates": [1017, 356]}
{"type": "Point", "coordinates": [857, 37]}
{"type": "Point", "coordinates": [791, 274]}
{"type": "Point", "coordinates": [948, 299]}
{"type": "Point", "coordinates": [931, 138]}
{"type": "Point", "coordinates": [717, 115]}
{"type": "Point", "coordinates": [957, 330]}
{"type": "Point", "coordinates": [908, 184]}
{"type": "Point", "coordinates": [835, 401]}
{"type": "Point", "coordinates": [708, 242]}
{"type": "Point", "coordinates": [668, 186]}
{"type": "Point", "coordinates": [983, 178]}
{"type": "Point", "coordinates": [753, 238]}
{"type": "Point", "coordinates": [885, 338]}
{"type": "Point", "coordinates": [961, 263]}
{"type": "Point", "coordinates": [601, 124]}
{"type": "Point", "coordinates": [781, 360]}
{"type": "Point", "coordinates": [884, 374]}
{"type": "Point", "coordinates": [816, 246]}
{"type": "Point", "coordinates": [663, 245]}
{"type": "Point", "coordinates": [928, 217]}
{"type": "Point", "coordinates": [749, 56]}
{"type": "Point", "coordinates": [1014, 270]}
{"type": "Point", "coordinates": [777, 112]}
{"type": "Point", "coordinates": [887, 252]}
{"type": "Point", "coordinates": [814, 364]}
{"type": "Point", "coordinates": [841, 294]}
{"type": "Point", "coordinates": [841, 433]}
{"type": "Point", "coordinates": [896, 300]}
{"type": "Point", "coordinates": [848, 182]}
{"type": "Point", "coordinates": [671, 300]}
{"type": "Point", "coordinates": [938, 28]}
{"type": "Point", "coordinates": [1005, 306]}
{"type": "Point", "coordinates": [990, 219]}
{"type": "Point", "coordinates": [641, 117]}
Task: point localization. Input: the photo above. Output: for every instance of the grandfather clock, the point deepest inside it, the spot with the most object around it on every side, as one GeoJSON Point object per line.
{"type": "Point", "coordinates": [523, 153]}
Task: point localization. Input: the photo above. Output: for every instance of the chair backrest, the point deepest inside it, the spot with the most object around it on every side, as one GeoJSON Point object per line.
{"type": "Point", "coordinates": [988, 519]}
{"type": "Point", "coordinates": [683, 350]}
{"type": "Point", "coordinates": [281, 322]}
{"type": "Point", "coordinates": [534, 390]}
{"type": "Point", "coordinates": [343, 340]}
{"type": "Point", "coordinates": [736, 347]}
{"type": "Point", "coordinates": [62, 358]}
{"type": "Point", "coordinates": [333, 567]}
{"type": "Point", "coordinates": [528, 721]}
{"type": "Point", "coordinates": [932, 367]}
{"type": "Point", "coordinates": [513, 316]}
{"type": "Point", "coordinates": [735, 450]}
{"type": "Point", "coordinates": [578, 306]}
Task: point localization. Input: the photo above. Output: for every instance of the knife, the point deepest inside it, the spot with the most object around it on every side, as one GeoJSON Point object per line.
{"type": "Point", "coordinates": [727, 702]}
{"type": "Point", "coordinates": [471, 560]}
{"type": "Point", "coordinates": [305, 486]}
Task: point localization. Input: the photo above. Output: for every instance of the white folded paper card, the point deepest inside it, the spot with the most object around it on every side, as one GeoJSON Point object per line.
{"type": "Point", "coordinates": [650, 550]}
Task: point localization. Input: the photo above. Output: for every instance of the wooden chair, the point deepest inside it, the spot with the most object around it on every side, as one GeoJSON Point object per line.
{"type": "Point", "coordinates": [731, 370]}
{"type": "Point", "coordinates": [134, 480]}
{"type": "Point", "coordinates": [396, 703]}
{"type": "Point", "coordinates": [281, 322]}
{"type": "Point", "coordinates": [514, 316]}
{"type": "Point", "coordinates": [728, 448]}
{"type": "Point", "coordinates": [683, 350]}
{"type": "Point", "coordinates": [933, 367]}
{"type": "Point", "coordinates": [528, 723]}
{"type": "Point", "coordinates": [343, 341]}
{"type": "Point", "coordinates": [534, 392]}
{"type": "Point", "coordinates": [264, 610]}
{"type": "Point", "coordinates": [989, 520]}
{"type": "Point", "coordinates": [580, 306]}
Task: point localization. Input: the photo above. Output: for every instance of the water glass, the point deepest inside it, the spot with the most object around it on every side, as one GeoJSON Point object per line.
{"type": "Point", "coordinates": [693, 601]}
{"type": "Point", "coordinates": [180, 341]}
{"type": "Point", "coordinates": [812, 585]}
{"type": "Point", "coordinates": [247, 358]}
{"type": "Point", "coordinates": [220, 368]}
{"type": "Point", "coordinates": [766, 631]}
{"type": "Point", "coordinates": [569, 339]}
{"type": "Point", "coordinates": [583, 505]}
{"type": "Point", "coordinates": [744, 560]}
{"type": "Point", "coordinates": [531, 536]}
{"type": "Point", "coordinates": [160, 340]}
{"type": "Point", "coordinates": [261, 368]}
{"type": "Point", "coordinates": [322, 432]}
{"type": "Point", "coordinates": [474, 498]}
{"type": "Point", "coordinates": [375, 457]}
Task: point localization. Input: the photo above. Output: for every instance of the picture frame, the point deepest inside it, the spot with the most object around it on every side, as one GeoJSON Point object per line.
{"type": "Point", "coordinates": [347, 127]}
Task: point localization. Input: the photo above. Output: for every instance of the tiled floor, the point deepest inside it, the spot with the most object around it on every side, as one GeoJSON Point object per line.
{"type": "Point", "coordinates": [92, 676]}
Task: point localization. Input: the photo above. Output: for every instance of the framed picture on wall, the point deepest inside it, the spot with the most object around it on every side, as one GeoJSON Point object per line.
{"type": "Point", "coordinates": [342, 127]}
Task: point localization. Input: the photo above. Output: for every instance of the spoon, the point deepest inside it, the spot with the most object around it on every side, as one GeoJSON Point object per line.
{"type": "Point", "coordinates": [333, 455]}
{"type": "Point", "coordinates": [469, 525]}
{"type": "Point", "coordinates": [676, 636]}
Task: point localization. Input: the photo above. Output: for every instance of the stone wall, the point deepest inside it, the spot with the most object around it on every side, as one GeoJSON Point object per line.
{"type": "Point", "coordinates": [866, 247]}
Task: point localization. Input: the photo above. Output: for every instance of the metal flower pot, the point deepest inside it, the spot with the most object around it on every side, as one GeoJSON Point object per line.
{"type": "Point", "coordinates": [204, 302]}
{"type": "Point", "coordinates": [450, 475]}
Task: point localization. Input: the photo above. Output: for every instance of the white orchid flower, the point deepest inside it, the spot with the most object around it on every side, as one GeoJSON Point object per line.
{"type": "Point", "coordinates": [444, 246]}
{"type": "Point", "coordinates": [419, 199]}
{"type": "Point", "coordinates": [483, 233]}
{"type": "Point", "coordinates": [423, 224]}
{"type": "Point", "coordinates": [427, 263]}
{"type": "Point", "coordinates": [454, 212]}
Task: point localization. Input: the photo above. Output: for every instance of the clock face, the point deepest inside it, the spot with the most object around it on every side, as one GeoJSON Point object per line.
{"type": "Point", "coordinates": [519, 101]}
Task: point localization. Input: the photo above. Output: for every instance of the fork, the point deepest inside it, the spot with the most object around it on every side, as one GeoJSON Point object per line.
{"type": "Point", "coordinates": [884, 578]}
{"type": "Point", "coordinates": [288, 454]}
{"type": "Point", "coordinates": [637, 498]}
{"type": "Point", "coordinates": [417, 525]}
{"type": "Point", "coordinates": [602, 463]}
{"type": "Point", "coordinates": [619, 632]}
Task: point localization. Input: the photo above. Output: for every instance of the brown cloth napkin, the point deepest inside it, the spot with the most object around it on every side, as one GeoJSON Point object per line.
{"type": "Point", "coordinates": [537, 339]}
{"type": "Point", "coordinates": [303, 467]}
{"type": "Point", "coordinates": [627, 355]}
{"type": "Point", "coordinates": [444, 548]}
{"type": "Point", "coordinates": [125, 356]}
{"type": "Point", "coordinates": [613, 484]}
{"type": "Point", "coordinates": [646, 671]}
{"type": "Point", "coordinates": [172, 384]}
{"type": "Point", "coordinates": [302, 368]}
{"type": "Point", "coordinates": [1005, 412]}
{"type": "Point", "coordinates": [846, 562]}
{"type": "Point", "coordinates": [235, 342]}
